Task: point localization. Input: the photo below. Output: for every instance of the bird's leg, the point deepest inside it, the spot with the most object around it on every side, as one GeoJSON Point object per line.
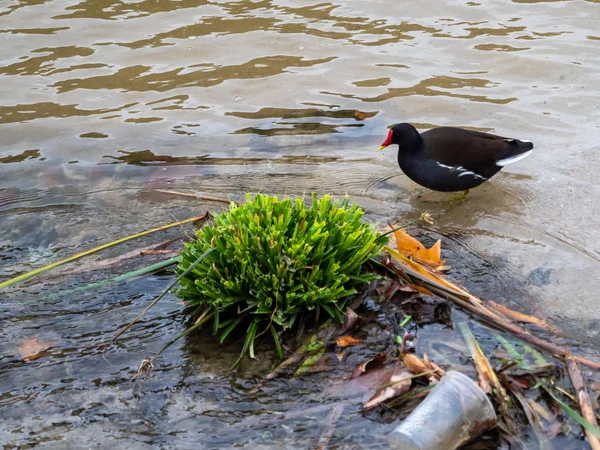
{"type": "Point", "coordinates": [459, 199]}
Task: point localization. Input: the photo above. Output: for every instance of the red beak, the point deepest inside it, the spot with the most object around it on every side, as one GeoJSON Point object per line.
{"type": "Point", "coordinates": [387, 141]}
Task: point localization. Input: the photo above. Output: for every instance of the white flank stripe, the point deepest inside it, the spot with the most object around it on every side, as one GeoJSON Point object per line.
{"type": "Point", "coordinates": [476, 175]}
{"type": "Point", "coordinates": [462, 170]}
{"type": "Point", "coordinates": [512, 159]}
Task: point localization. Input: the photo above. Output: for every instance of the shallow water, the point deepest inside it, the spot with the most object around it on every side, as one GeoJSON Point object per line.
{"type": "Point", "coordinates": [103, 101]}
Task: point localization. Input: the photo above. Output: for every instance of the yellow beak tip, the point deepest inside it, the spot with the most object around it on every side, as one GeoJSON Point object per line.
{"type": "Point", "coordinates": [382, 147]}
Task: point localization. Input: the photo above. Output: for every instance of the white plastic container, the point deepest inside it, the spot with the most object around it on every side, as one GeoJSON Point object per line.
{"type": "Point", "coordinates": [455, 411]}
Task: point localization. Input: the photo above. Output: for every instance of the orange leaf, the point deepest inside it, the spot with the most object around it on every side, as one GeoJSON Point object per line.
{"type": "Point", "coordinates": [438, 369]}
{"type": "Point", "coordinates": [421, 289]}
{"type": "Point", "coordinates": [409, 246]}
{"type": "Point", "coordinates": [346, 341]}
{"type": "Point", "coordinates": [403, 261]}
{"type": "Point", "coordinates": [32, 348]}
{"type": "Point", "coordinates": [414, 364]}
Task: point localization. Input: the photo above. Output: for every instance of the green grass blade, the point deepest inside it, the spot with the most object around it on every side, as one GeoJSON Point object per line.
{"type": "Point", "coordinates": [216, 322]}
{"type": "Point", "coordinates": [538, 358]}
{"type": "Point", "coordinates": [155, 301]}
{"type": "Point", "coordinates": [254, 326]}
{"type": "Point", "coordinates": [198, 324]}
{"type": "Point", "coordinates": [332, 312]}
{"type": "Point", "coordinates": [513, 352]}
{"type": "Point", "coordinates": [126, 276]}
{"type": "Point", "coordinates": [405, 321]}
{"type": "Point", "coordinates": [574, 414]}
{"type": "Point", "coordinates": [310, 361]}
{"type": "Point", "coordinates": [39, 270]}
{"type": "Point", "coordinates": [276, 340]}
{"type": "Point", "coordinates": [249, 340]}
{"type": "Point", "coordinates": [229, 329]}
{"type": "Point", "coordinates": [224, 323]}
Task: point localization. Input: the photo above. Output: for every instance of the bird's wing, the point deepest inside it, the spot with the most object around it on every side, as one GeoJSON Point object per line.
{"type": "Point", "coordinates": [473, 150]}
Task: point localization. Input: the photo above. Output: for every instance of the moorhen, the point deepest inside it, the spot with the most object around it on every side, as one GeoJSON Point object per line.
{"type": "Point", "coordinates": [451, 159]}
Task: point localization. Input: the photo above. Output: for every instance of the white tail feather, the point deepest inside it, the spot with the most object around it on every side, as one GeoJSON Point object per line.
{"type": "Point", "coordinates": [513, 159]}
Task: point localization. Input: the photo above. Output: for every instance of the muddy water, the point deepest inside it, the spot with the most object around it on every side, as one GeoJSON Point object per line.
{"type": "Point", "coordinates": [103, 101]}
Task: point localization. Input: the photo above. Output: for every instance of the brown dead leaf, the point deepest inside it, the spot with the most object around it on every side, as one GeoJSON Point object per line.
{"type": "Point", "coordinates": [346, 341]}
{"type": "Point", "coordinates": [399, 383]}
{"type": "Point", "coordinates": [159, 252]}
{"type": "Point", "coordinates": [409, 246]}
{"type": "Point", "coordinates": [520, 383]}
{"type": "Point", "coordinates": [552, 426]}
{"type": "Point", "coordinates": [380, 358]}
{"type": "Point", "coordinates": [385, 286]}
{"type": "Point", "coordinates": [421, 289]}
{"type": "Point", "coordinates": [407, 288]}
{"type": "Point", "coordinates": [365, 384]}
{"type": "Point", "coordinates": [32, 348]}
{"type": "Point", "coordinates": [438, 370]}
{"type": "Point", "coordinates": [350, 321]}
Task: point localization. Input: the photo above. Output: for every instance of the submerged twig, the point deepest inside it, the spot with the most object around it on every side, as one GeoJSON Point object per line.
{"type": "Point", "coordinates": [399, 227]}
{"type": "Point", "coordinates": [201, 321]}
{"type": "Point", "coordinates": [110, 262]}
{"type": "Point", "coordinates": [155, 301]}
{"type": "Point", "coordinates": [329, 429]}
{"type": "Point", "coordinates": [462, 298]}
{"type": "Point", "coordinates": [96, 249]}
{"type": "Point", "coordinates": [209, 198]}
{"type": "Point", "coordinates": [148, 364]}
{"type": "Point", "coordinates": [583, 399]}
{"type": "Point", "coordinates": [125, 276]}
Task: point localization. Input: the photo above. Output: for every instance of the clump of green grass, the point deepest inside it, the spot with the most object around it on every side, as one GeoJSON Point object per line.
{"type": "Point", "coordinates": [271, 261]}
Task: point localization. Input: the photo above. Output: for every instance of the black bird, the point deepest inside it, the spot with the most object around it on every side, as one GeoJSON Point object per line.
{"type": "Point", "coordinates": [451, 159]}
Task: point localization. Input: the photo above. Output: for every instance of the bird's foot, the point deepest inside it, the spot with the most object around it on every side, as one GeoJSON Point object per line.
{"type": "Point", "coordinates": [458, 199]}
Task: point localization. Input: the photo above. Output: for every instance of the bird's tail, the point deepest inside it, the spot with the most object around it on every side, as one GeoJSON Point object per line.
{"type": "Point", "coordinates": [517, 150]}
{"type": "Point", "coordinates": [523, 146]}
